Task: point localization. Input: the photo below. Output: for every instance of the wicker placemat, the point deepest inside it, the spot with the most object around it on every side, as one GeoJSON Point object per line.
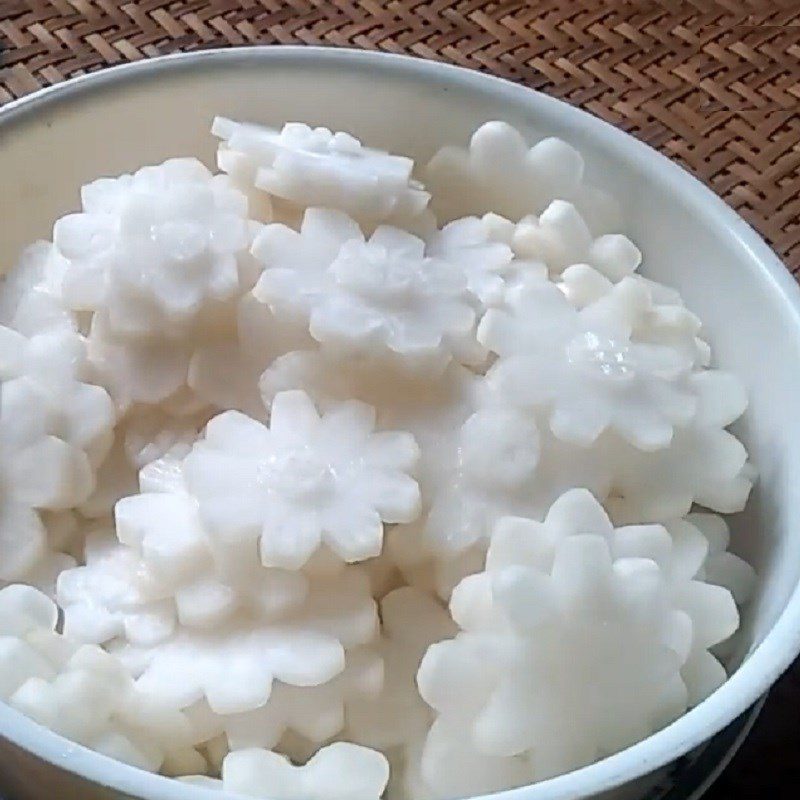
{"type": "Point", "coordinates": [714, 84]}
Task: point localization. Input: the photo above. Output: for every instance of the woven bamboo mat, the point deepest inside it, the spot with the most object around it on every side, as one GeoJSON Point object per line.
{"type": "Point", "coordinates": [714, 84]}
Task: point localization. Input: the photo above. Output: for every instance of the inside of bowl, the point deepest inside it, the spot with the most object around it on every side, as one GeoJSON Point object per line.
{"type": "Point", "coordinates": [49, 151]}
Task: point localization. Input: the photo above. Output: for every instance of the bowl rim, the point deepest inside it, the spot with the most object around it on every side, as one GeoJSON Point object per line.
{"type": "Point", "coordinates": [764, 664]}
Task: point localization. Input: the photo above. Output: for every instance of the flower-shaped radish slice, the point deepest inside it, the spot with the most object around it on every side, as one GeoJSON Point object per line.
{"type": "Point", "coordinates": [386, 298]}
{"type": "Point", "coordinates": [340, 771]}
{"type": "Point", "coordinates": [500, 173]}
{"type": "Point", "coordinates": [316, 167]}
{"type": "Point", "coordinates": [559, 601]}
{"type": "Point", "coordinates": [305, 480]}
{"type": "Point", "coordinates": [152, 249]}
{"type": "Point", "coordinates": [586, 366]}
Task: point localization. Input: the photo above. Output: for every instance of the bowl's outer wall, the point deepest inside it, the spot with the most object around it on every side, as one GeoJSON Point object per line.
{"type": "Point", "coordinates": [23, 776]}
{"type": "Point", "coordinates": [48, 150]}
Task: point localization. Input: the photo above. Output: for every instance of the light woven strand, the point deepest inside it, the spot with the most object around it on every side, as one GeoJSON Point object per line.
{"type": "Point", "coordinates": [715, 85]}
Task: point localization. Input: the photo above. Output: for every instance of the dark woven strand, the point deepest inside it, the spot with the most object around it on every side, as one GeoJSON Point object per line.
{"type": "Point", "coordinates": [715, 85]}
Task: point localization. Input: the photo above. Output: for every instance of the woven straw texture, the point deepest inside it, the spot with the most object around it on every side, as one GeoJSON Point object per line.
{"type": "Point", "coordinates": [715, 85]}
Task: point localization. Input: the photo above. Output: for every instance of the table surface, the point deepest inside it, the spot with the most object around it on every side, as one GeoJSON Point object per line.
{"type": "Point", "coordinates": [714, 84]}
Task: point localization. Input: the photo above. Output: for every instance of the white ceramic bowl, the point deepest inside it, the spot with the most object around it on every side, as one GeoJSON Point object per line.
{"type": "Point", "coordinates": [117, 120]}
